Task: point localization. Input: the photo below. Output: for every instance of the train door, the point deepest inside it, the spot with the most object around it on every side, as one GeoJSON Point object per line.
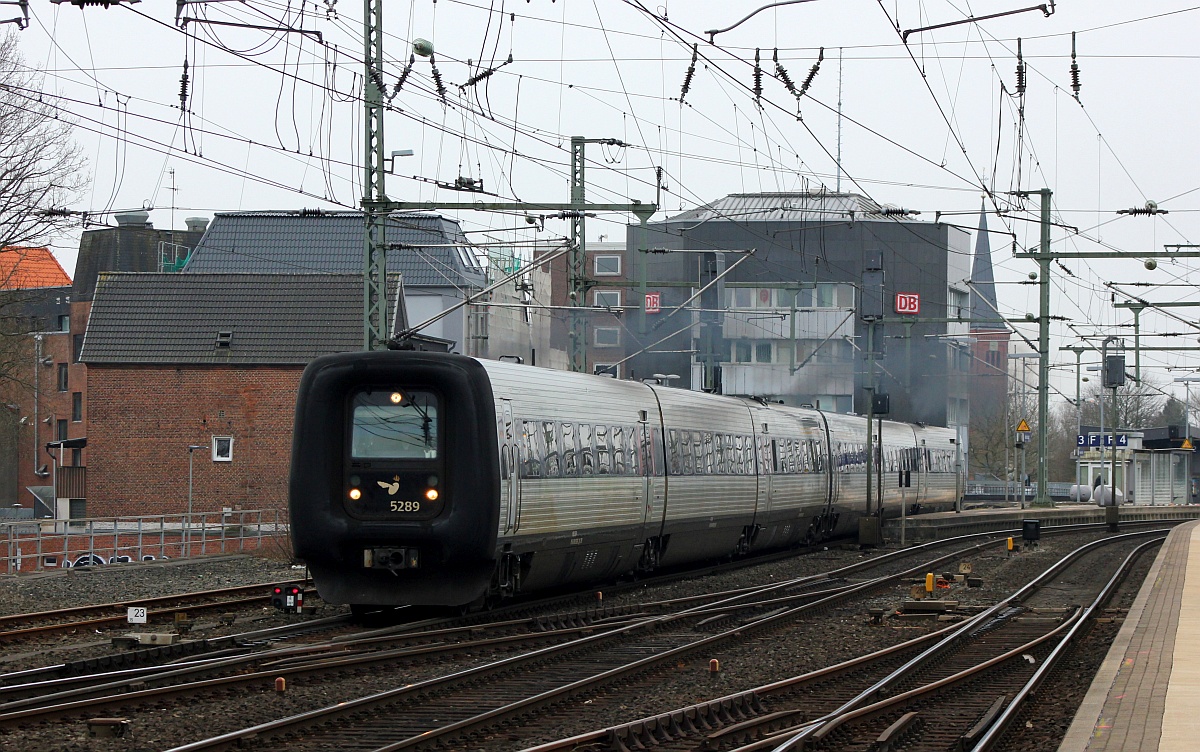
{"type": "Point", "coordinates": [510, 467]}
{"type": "Point", "coordinates": [654, 487]}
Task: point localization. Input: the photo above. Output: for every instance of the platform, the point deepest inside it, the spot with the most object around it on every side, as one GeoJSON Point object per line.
{"type": "Point", "coordinates": [937, 525]}
{"type": "Point", "coordinates": [1146, 695]}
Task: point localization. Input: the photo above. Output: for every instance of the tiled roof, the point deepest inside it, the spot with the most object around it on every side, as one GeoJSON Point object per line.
{"type": "Point", "coordinates": [786, 206]}
{"type": "Point", "coordinates": [30, 268]}
{"type": "Point", "coordinates": [270, 319]}
{"type": "Point", "coordinates": [434, 252]}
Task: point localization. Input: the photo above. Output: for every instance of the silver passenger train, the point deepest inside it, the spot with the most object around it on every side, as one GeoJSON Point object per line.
{"type": "Point", "coordinates": [437, 479]}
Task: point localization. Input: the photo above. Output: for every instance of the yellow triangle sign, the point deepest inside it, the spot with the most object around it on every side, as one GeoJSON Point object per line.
{"type": "Point", "coordinates": [1023, 427]}
{"type": "Point", "coordinates": [1187, 444]}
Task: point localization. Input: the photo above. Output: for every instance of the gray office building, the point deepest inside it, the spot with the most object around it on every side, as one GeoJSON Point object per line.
{"type": "Point", "coordinates": [763, 294]}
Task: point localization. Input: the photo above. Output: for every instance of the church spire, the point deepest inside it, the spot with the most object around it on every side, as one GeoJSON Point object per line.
{"type": "Point", "coordinates": [983, 283]}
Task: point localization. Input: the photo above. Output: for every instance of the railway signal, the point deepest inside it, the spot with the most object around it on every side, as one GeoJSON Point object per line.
{"type": "Point", "coordinates": [288, 598]}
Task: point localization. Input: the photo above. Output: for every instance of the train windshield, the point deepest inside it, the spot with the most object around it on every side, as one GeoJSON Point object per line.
{"type": "Point", "coordinates": [394, 425]}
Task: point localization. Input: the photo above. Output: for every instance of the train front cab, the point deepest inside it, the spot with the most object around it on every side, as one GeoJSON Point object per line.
{"type": "Point", "coordinates": [394, 488]}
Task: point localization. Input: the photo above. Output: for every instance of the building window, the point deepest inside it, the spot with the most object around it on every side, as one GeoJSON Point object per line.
{"type": "Point", "coordinates": [64, 323]}
{"type": "Point", "coordinates": [63, 381]}
{"type": "Point", "coordinates": [827, 295]}
{"type": "Point", "coordinates": [740, 297]}
{"type": "Point", "coordinates": [741, 351]}
{"type": "Point", "coordinates": [606, 265]}
{"type": "Point", "coordinates": [76, 347]}
{"type": "Point", "coordinates": [77, 457]}
{"type": "Point", "coordinates": [607, 336]}
{"type": "Point", "coordinates": [222, 449]}
{"type": "Point", "coordinates": [960, 303]}
{"type": "Point", "coordinates": [77, 406]}
{"type": "Point", "coordinates": [762, 352]}
{"type": "Point", "coordinates": [60, 430]}
{"type": "Point", "coordinates": [607, 298]}
{"type": "Point", "coordinates": [612, 370]}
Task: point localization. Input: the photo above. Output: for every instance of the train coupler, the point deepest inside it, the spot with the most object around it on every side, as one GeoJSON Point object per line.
{"type": "Point", "coordinates": [391, 558]}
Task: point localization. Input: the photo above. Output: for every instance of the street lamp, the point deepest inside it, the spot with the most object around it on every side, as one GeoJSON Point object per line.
{"type": "Point", "coordinates": [1078, 350]}
{"type": "Point", "coordinates": [187, 522]}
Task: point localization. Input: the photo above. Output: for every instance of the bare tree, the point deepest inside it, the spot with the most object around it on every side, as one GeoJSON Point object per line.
{"type": "Point", "coordinates": [1139, 405]}
{"type": "Point", "coordinates": [41, 172]}
{"type": "Point", "coordinates": [41, 167]}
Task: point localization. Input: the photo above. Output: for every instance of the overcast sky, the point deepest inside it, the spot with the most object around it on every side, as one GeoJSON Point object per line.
{"type": "Point", "coordinates": [274, 118]}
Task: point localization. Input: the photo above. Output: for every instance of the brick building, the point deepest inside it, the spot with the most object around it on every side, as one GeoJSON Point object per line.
{"type": "Point", "coordinates": [212, 360]}
{"type": "Point", "coordinates": [39, 390]}
{"type": "Point", "coordinates": [45, 314]}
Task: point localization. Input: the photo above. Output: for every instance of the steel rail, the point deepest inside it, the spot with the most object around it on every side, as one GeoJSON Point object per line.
{"type": "Point", "coordinates": [995, 731]}
{"type": "Point", "coordinates": [848, 711]}
{"type": "Point", "coordinates": [325, 715]}
{"type": "Point", "coordinates": [722, 712]}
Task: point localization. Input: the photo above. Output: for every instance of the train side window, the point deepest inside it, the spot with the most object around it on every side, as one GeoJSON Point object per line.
{"type": "Point", "coordinates": [687, 459]}
{"type": "Point", "coordinates": [709, 465]}
{"type": "Point", "coordinates": [646, 463]}
{"type": "Point", "coordinates": [553, 459]}
{"type": "Point", "coordinates": [587, 462]}
{"type": "Point", "coordinates": [656, 454]}
{"type": "Point", "coordinates": [631, 449]}
{"type": "Point", "coordinates": [505, 447]}
{"type": "Point", "coordinates": [673, 466]}
{"type": "Point", "coordinates": [618, 450]}
{"type": "Point", "coordinates": [698, 452]}
{"type": "Point", "coordinates": [721, 457]}
{"type": "Point", "coordinates": [570, 458]}
{"type": "Point", "coordinates": [531, 453]}
{"type": "Point", "coordinates": [603, 455]}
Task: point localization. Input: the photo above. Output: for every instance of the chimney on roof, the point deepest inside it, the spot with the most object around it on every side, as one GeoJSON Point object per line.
{"type": "Point", "coordinates": [196, 224]}
{"type": "Point", "coordinates": [133, 219]}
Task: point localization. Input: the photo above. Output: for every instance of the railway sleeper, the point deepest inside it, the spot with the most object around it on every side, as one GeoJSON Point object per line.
{"type": "Point", "coordinates": [680, 724]}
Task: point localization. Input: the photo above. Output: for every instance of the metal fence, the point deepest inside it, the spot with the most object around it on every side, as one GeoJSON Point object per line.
{"type": "Point", "coordinates": [1001, 490]}
{"type": "Point", "coordinates": [33, 545]}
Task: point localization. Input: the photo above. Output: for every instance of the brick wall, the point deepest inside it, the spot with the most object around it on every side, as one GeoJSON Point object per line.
{"type": "Point", "coordinates": [142, 419]}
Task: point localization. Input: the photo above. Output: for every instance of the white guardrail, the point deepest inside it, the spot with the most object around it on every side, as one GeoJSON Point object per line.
{"type": "Point", "coordinates": [36, 544]}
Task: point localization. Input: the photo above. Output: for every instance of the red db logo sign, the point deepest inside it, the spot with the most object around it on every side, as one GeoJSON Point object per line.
{"type": "Point", "coordinates": [908, 302]}
{"type": "Point", "coordinates": [652, 302]}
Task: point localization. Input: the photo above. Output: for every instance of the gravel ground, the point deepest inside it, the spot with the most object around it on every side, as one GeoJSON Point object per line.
{"type": "Point", "coordinates": [836, 635]}
{"type": "Point", "coordinates": [114, 583]}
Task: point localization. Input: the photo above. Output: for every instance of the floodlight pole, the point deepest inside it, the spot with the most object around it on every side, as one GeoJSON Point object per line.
{"type": "Point", "coordinates": [187, 522]}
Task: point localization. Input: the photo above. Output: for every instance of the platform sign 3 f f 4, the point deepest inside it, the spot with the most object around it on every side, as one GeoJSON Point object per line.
{"type": "Point", "coordinates": [908, 303]}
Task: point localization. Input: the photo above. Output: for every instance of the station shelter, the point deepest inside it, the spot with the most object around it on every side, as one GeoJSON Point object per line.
{"type": "Point", "coordinates": [1142, 475]}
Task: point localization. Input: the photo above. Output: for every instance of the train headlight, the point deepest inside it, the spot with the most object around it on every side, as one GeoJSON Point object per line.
{"type": "Point", "coordinates": [431, 494]}
{"type": "Point", "coordinates": [397, 398]}
{"type": "Point", "coordinates": [355, 494]}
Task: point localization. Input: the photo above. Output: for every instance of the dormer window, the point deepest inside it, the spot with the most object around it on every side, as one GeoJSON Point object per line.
{"type": "Point", "coordinates": [224, 339]}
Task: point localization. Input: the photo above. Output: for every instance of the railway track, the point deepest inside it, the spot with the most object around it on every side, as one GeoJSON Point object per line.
{"type": "Point", "coordinates": [18, 627]}
{"type": "Point", "coordinates": [446, 708]}
{"type": "Point", "coordinates": [455, 648]}
{"type": "Point", "coordinates": [960, 692]}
